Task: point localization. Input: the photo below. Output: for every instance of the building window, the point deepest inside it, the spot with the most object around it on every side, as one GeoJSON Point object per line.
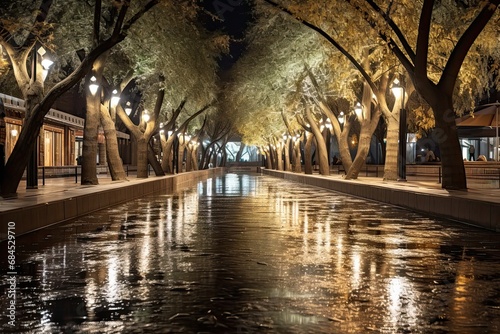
{"type": "Point", "coordinates": [12, 132]}
{"type": "Point", "coordinates": [53, 148]}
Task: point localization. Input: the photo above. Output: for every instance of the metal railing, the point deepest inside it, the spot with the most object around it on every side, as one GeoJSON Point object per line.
{"type": "Point", "coordinates": [47, 172]}
{"type": "Point", "coordinates": [473, 171]}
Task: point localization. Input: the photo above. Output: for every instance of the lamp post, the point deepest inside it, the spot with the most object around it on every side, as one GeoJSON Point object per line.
{"type": "Point", "coordinates": [45, 63]}
{"type": "Point", "coordinates": [399, 94]}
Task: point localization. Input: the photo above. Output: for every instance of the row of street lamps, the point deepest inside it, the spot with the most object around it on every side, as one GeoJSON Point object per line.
{"type": "Point", "coordinates": [398, 92]}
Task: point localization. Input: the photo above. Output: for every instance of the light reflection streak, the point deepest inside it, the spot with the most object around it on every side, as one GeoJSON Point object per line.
{"type": "Point", "coordinates": [356, 268]}
{"type": "Point", "coordinates": [340, 253]}
{"type": "Point", "coordinates": [402, 301]}
{"type": "Point", "coordinates": [113, 287]}
{"type": "Point", "coordinates": [169, 220]}
{"type": "Point", "coordinates": [64, 259]}
{"type": "Point", "coordinates": [295, 213]}
{"type": "Point", "coordinates": [144, 256]}
{"type": "Point", "coordinates": [305, 237]}
{"type": "Point", "coordinates": [209, 192]}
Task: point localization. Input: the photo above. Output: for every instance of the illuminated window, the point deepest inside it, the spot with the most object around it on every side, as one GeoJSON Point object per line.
{"type": "Point", "coordinates": [53, 153]}
{"type": "Point", "coordinates": [12, 132]}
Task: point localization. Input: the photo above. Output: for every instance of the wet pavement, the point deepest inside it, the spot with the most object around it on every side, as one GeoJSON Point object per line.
{"type": "Point", "coordinates": [245, 253]}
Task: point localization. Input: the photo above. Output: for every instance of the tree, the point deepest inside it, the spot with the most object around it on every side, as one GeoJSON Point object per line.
{"type": "Point", "coordinates": [170, 43]}
{"type": "Point", "coordinates": [264, 80]}
{"type": "Point", "coordinates": [434, 64]}
{"type": "Point", "coordinates": [19, 43]}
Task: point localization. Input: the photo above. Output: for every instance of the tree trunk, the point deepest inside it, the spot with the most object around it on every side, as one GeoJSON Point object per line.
{"type": "Point", "coordinates": [340, 134]}
{"type": "Point", "coordinates": [194, 159]}
{"type": "Point", "coordinates": [167, 159]}
{"type": "Point", "coordinates": [279, 157]}
{"type": "Point", "coordinates": [362, 153]}
{"type": "Point", "coordinates": [368, 126]}
{"type": "Point", "coordinates": [180, 157]}
{"type": "Point", "coordinates": [297, 164]}
{"type": "Point", "coordinates": [286, 149]}
{"type": "Point", "coordinates": [113, 156]}
{"type": "Point", "coordinates": [392, 150]}
{"type": "Point", "coordinates": [189, 161]}
{"type": "Point", "coordinates": [240, 152]}
{"type": "Point", "coordinates": [321, 152]}
{"type": "Point", "coordinates": [154, 162]}
{"type": "Point", "coordinates": [90, 131]}
{"type": "Point", "coordinates": [446, 135]}
{"type": "Point", "coordinates": [345, 154]}
{"type": "Point", "coordinates": [308, 168]}
{"type": "Point", "coordinates": [142, 158]}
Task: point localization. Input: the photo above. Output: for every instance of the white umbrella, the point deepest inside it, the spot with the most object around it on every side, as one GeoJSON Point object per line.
{"type": "Point", "coordinates": [484, 115]}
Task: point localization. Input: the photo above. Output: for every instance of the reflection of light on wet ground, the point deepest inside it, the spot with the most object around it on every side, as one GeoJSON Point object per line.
{"type": "Point", "coordinates": [356, 268]}
{"type": "Point", "coordinates": [112, 284]}
{"type": "Point", "coordinates": [255, 254]}
{"type": "Point", "coordinates": [402, 302]}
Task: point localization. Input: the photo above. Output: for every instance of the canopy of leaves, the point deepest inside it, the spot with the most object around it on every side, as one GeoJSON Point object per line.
{"type": "Point", "coordinates": [268, 80]}
{"type": "Point", "coordinates": [343, 20]}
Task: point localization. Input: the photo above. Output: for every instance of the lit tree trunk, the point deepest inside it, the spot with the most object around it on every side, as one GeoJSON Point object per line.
{"type": "Point", "coordinates": [321, 152]}
{"type": "Point", "coordinates": [180, 154]}
{"type": "Point", "coordinates": [114, 161]}
{"type": "Point", "coordinates": [142, 157]}
{"type": "Point", "coordinates": [207, 155]}
{"type": "Point", "coordinates": [445, 134]}
{"type": "Point", "coordinates": [308, 168]}
{"type": "Point", "coordinates": [189, 157]}
{"type": "Point", "coordinates": [365, 137]}
{"type": "Point", "coordinates": [268, 161]}
{"type": "Point", "coordinates": [166, 147]}
{"type": "Point", "coordinates": [392, 149]}
{"type": "Point", "coordinates": [297, 165]}
{"type": "Point", "coordinates": [272, 154]}
{"type": "Point", "coordinates": [340, 134]}
{"type": "Point", "coordinates": [194, 158]}
{"type": "Point", "coordinates": [368, 122]}
{"type": "Point", "coordinates": [279, 155]}
{"type": "Point", "coordinates": [90, 131]}
{"type": "Point", "coordinates": [286, 149]}
{"type": "Point", "coordinates": [153, 161]}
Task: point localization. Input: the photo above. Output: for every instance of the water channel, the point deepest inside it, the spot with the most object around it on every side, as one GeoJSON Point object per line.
{"type": "Point", "coordinates": [246, 253]}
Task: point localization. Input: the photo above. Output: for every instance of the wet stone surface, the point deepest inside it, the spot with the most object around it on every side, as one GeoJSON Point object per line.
{"type": "Point", "coordinates": [254, 254]}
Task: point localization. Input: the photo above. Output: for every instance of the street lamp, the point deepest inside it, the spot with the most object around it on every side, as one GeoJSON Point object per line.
{"type": "Point", "coordinates": [128, 108]}
{"type": "Point", "coordinates": [358, 109]}
{"type": "Point", "coordinates": [399, 94]}
{"type": "Point", "coordinates": [341, 119]}
{"type": "Point", "coordinates": [115, 99]}
{"type": "Point", "coordinates": [93, 87]}
{"type": "Point", "coordinates": [329, 125]}
{"type": "Point", "coordinates": [145, 116]}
